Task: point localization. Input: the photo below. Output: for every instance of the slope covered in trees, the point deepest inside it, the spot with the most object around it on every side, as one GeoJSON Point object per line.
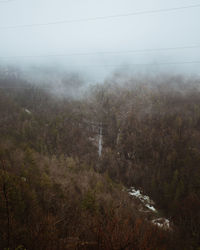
{"type": "Point", "coordinates": [57, 193]}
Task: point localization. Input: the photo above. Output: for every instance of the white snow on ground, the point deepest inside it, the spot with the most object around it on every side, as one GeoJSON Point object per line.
{"type": "Point", "coordinates": [27, 111]}
{"type": "Point", "coordinates": [161, 222]}
{"type": "Point", "coordinates": [151, 208]}
{"type": "Point", "coordinates": [148, 203]}
{"type": "Point", "coordinates": [143, 198]}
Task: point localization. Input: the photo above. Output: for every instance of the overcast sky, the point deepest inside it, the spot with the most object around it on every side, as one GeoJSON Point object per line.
{"type": "Point", "coordinates": [177, 28]}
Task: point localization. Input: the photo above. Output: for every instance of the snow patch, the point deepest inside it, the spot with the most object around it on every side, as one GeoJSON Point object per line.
{"type": "Point", "coordinates": [151, 208]}
{"type": "Point", "coordinates": [148, 203]}
{"type": "Point", "coordinates": [162, 223]}
{"type": "Point", "coordinates": [27, 111]}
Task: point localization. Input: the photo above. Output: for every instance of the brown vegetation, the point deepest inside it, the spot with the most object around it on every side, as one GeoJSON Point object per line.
{"type": "Point", "coordinates": [56, 193]}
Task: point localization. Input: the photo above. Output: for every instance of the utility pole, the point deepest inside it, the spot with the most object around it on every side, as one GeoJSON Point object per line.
{"type": "Point", "coordinates": [100, 139]}
{"type": "Point", "coordinates": [97, 130]}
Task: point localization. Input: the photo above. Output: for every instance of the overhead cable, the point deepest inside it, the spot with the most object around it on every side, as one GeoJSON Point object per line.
{"type": "Point", "coordinates": [104, 52]}
{"type": "Point", "coordinates": [137, 13]}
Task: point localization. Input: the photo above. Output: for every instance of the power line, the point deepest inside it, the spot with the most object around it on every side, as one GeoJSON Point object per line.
{"type": "Point", "coordinates": [141, 64]}
{"type": "Point", "coordinates": [105, 52]}
{"type": "Point", "coordinates": [102, 17]}
{"type": "Point", "coordinates": [137, 64]}
{"type": "Point", "coordinates": [7, 1]}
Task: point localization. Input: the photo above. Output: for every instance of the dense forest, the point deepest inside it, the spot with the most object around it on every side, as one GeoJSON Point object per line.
{"type": "Point", "coordinates": [57, 191]}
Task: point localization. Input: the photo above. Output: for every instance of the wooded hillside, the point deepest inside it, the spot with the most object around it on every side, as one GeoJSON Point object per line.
{"type": "Point", "coordinates": [57, 192]}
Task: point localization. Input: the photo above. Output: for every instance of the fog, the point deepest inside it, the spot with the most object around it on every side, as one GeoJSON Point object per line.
{"type": "Point", "coordinates": [147, 42]}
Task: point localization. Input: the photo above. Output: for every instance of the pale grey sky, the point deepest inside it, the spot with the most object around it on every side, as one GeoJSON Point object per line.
{"type": "Point", "coordinates": [157, 30]}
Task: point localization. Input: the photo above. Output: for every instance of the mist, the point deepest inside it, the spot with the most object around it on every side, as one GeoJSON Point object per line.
{"type": "Point", "coordinates": [157, 42]}
{"type": "Point", "coordinates": [99, 124]}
